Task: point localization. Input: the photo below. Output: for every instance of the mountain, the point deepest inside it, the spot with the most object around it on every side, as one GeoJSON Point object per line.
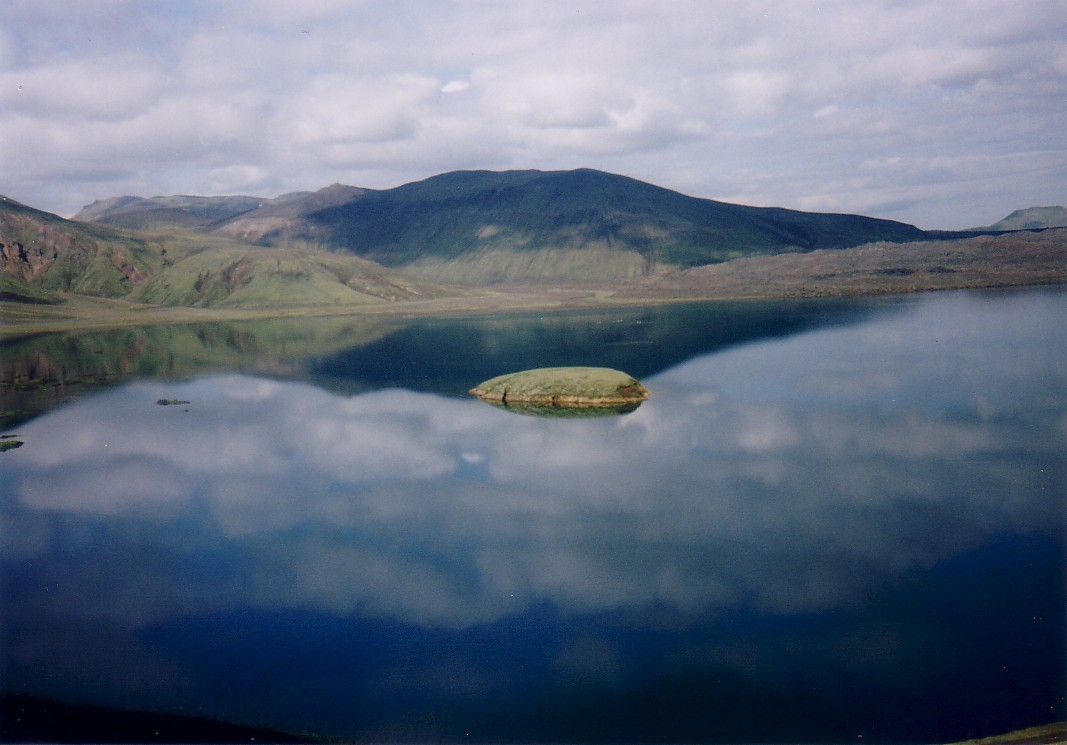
{"type": "Point", "coordinates": [50, 253]}
{"type": "Point", "coordinates": [1004, 259]}
{"type": "Point", "coordinates": [483, 226]}
{"type": "Point", "coordinates": [41, 253]}
{"type": "Point", "coordinates": [180, 211]}
{"type": "Point", "coordinates": [243, 217]}
{"type": "Point", "coordinates": [345, 244]}
{"type": "Point", "coordinates": [254, 277]}
{"type": "Point", "coordinates": [478, 227]}
{"type": "Point", "coordinates": [1032, 218]}
{"type": "Point", "coordinates": [282, 221]}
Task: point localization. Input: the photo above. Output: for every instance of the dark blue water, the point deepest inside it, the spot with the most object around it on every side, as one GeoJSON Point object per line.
{"type": "Point", "coordinates": [850, 525]}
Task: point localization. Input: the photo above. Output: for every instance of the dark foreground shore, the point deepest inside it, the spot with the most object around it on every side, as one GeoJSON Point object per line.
{"type": "Point", "coordinates": [31, 719]}
{"type": "Point", "coordinates": [1047, 734]}
{"type": "Point", "coordinates": [25, 718]}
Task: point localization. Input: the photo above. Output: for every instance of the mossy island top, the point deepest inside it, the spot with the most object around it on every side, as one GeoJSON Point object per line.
{"type": "Point", "coordinates": [563, 386]}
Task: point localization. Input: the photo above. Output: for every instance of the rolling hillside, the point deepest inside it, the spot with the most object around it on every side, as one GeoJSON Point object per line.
{"type": "Point", "coordinates": [254, 277]}
{"type": "Point", "coordinates": [479, 227]}
{"type": "Point", "coordinates": [471, 228]}
{"type": "Point", "coordinates": [50, 253]}
{"type": "Point", "coordinates": [41, 253]}
{"type": "Point", "coordinates": [284, 218]}
{"type": "Point", "coordinates": [155, 213]}
{"type": "Point", "coordinates": [1032, 218]}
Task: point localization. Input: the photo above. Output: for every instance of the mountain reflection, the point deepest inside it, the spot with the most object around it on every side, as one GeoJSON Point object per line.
{"type": "Point", "coordinates": [778, 476]}
{"type": "Point", "coordinates": [355, 354]}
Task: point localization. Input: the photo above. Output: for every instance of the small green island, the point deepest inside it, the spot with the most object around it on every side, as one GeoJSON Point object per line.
{"type": "Point", "coordinates": [548, 390]}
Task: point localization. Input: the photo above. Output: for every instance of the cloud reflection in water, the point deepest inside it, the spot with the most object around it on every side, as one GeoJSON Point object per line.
{"type": "Point", "coordinates": [789, 476]}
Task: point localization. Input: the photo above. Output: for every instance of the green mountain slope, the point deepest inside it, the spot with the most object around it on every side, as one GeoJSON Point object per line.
{"type": "Point", "coordinates": [283, 219]}
{"type": "Point", "coordinates": [154, 213]}
{"type": "Point", "coordinates": [20, 291]}
{"type": "Point", "coordinates": [253, 277]}
{"type": "Point", "coordinates": [1033, 218]}
{"type": "Point", "coordinates": [51, 253]}
{"type": "Point", "coordinates": [42, 253]}
{"type": "Point", "coordinates": [469, 228]}
{"type": "Point", "coordinates": [483, 226]}
{"type": "Point", "coordinates": [242, 217]}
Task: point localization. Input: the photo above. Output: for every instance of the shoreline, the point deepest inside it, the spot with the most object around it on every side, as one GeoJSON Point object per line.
{"type": "Point", "coordinates": [988, 262]}
{"type": "Point", "coordinates": [120, 314]}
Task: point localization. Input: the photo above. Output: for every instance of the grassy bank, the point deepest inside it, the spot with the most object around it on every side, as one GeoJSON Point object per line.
{"type": "Point", "coordinates": [1017, 259]}
{"type": "Point", "coordinates": [1047, 734]}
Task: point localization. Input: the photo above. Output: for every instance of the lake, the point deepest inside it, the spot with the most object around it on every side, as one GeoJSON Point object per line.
{"type": "Point", "coordinates": [833, 521]}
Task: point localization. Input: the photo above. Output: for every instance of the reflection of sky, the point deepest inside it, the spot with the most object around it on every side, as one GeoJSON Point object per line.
{"type": "Point", "coordinates": [788, 476]}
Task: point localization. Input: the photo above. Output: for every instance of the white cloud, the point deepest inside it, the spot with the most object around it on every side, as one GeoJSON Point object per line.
{"type": "Point", "coordinates": [757, 93]}
{"type": "Point", "coordinates": [713, 98]}
{"type": "Point", "coordinates": [451, 512]}
{"type": "Point", "coordinates": [340, 109]}
{"type": "Point", "coordinates": [81, 90]}
{"type": "Point", "coordinates": [455, 86]}
{"type": "Point", "coordinates": [221, 60]}
{"type": "Point", "coordinates": [540, 99]}
{"type": "Point", "coordinates": [827, 111]}
{"type": "Point", "coordinates": [236, 179]}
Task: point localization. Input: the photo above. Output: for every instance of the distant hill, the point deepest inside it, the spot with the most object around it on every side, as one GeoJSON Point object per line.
{"type": "Point", "coordinates": [345, 244]}
{"type": "Point", "coordinates": [49, 266]}
{"type": "Point", "coordinates": [283, 221]}
{"type": "Point", "coordinates": [479, 227]}
{"type": "Point", "coordinates": [244, 217]}
{"type": "Point", "coordinates": [1032, 218]}
{"type": "Point", "coordinates": [476, 218]}
{"type": "Point", "coordinates": [41, 253]}
{"type": "Point", "coordinates": [153, 213]}
{"type": "Point", "coordinates": [1006, 259]}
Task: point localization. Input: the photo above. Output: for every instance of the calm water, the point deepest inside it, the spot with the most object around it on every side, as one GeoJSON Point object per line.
{"type": "Point", "coordinates": [831, 520]}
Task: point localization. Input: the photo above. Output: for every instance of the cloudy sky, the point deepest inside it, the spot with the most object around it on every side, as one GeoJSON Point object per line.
{"type": "Point", "coordinates": [941, 114]}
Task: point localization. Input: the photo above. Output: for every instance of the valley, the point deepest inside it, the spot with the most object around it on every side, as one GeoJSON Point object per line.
{"type": "Point", "coordinates": [474, 242]}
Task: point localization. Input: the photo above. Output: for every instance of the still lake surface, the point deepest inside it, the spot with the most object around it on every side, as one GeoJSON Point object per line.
{"type": "Point", "coordinates": [832, 520]}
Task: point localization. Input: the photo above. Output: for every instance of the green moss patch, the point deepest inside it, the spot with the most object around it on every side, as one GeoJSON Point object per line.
{"type": "Point", "coordinates": [563, 387]}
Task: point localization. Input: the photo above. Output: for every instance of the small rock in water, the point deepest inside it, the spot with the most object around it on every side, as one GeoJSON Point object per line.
{"type": "Point", "coordinates": [8, 442]}
{"type": "Point", "coordinates": [563, 387]}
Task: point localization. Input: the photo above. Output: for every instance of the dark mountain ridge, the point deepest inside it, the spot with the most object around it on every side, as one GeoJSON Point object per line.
{"type": "Point", "coordinates": [47, 262]}
{"type": "Point", "coordinates": [485, 226]}
{"type": "Point", "coordinates": [467, 228]}
{"type": "Point", "coordinates": [455, 215]}
{"type": "Point", "coordinates": [283, 218]}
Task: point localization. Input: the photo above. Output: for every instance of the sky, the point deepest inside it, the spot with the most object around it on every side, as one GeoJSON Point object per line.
{"type": "Point", "coordinates": [939, 114]}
